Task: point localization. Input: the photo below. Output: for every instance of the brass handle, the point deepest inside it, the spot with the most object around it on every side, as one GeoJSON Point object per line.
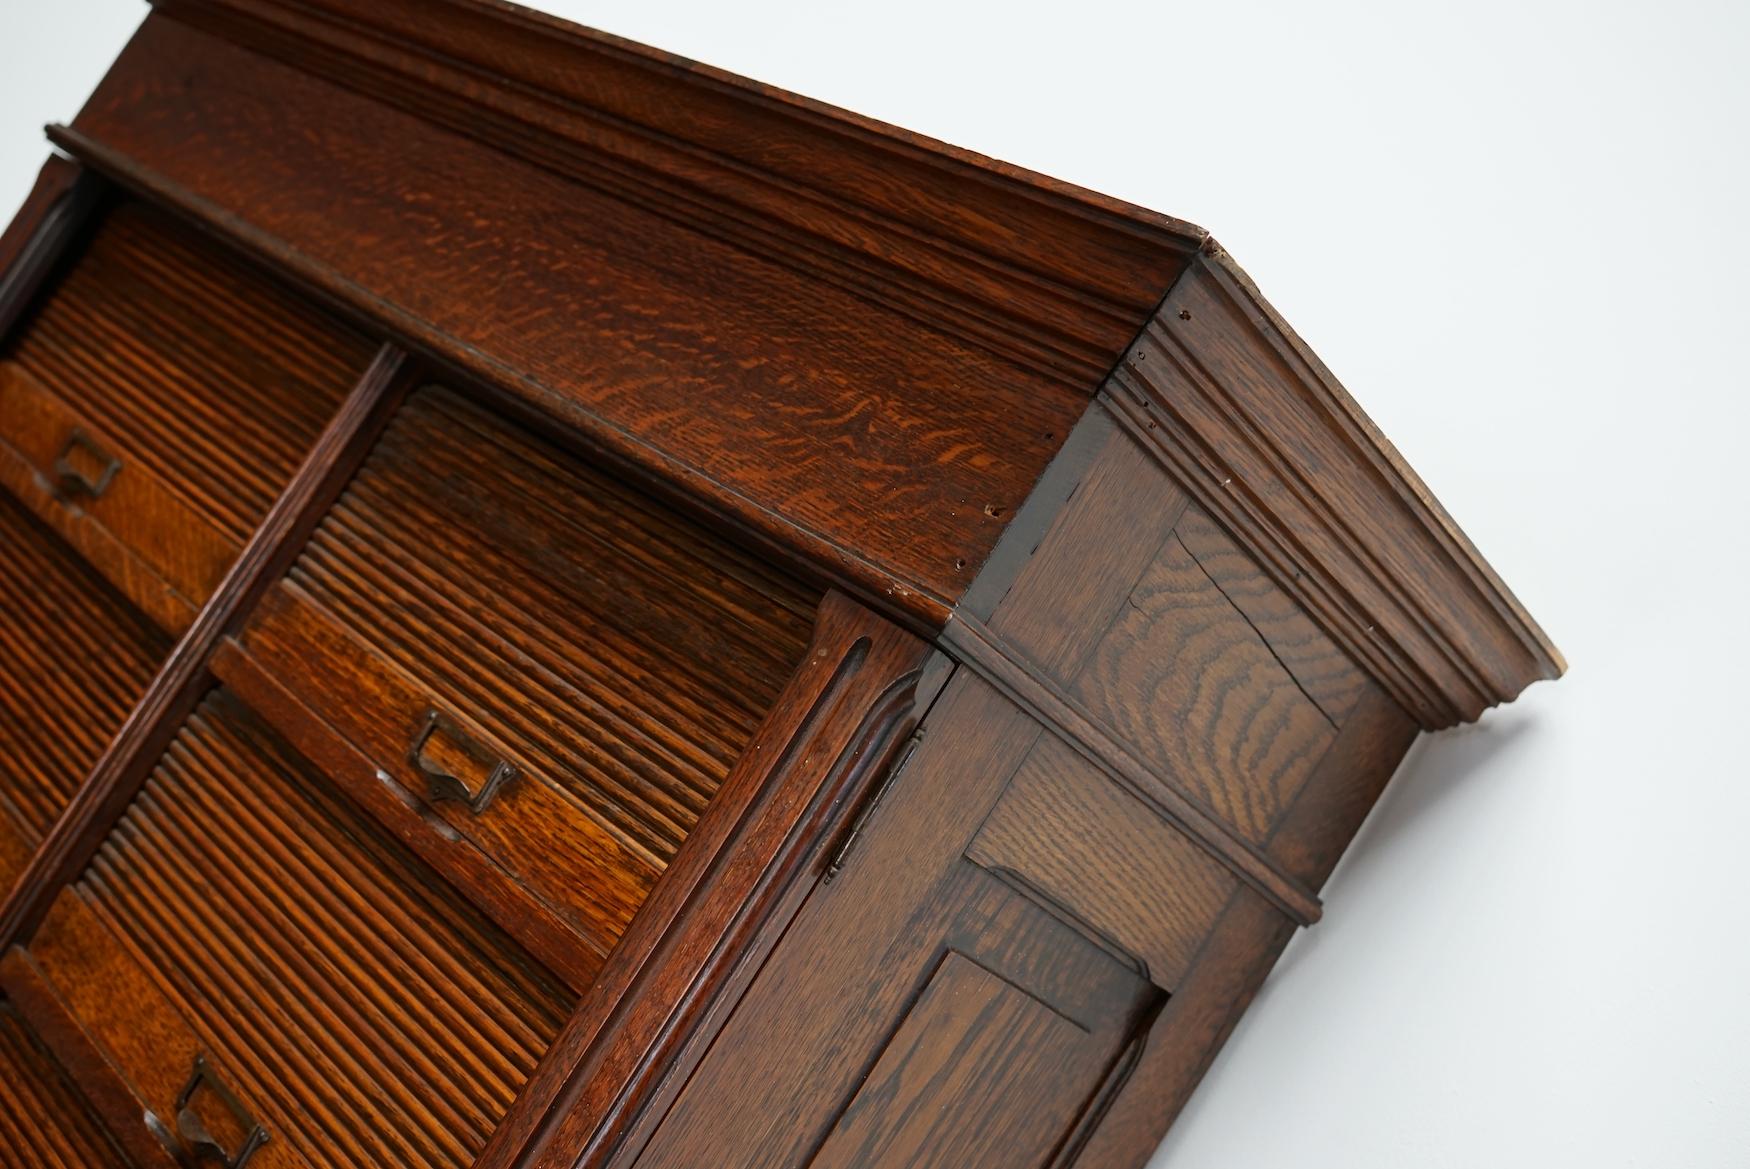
{"type": "Point", "coordinates": [198, 1144]}
{"type": "Point", "coordinates": [440, 732]}
{"type": "Point", "coordinates": [73, 481]}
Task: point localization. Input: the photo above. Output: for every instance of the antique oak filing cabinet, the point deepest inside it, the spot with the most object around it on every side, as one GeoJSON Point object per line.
{"type": "Point", "coordinates": [560, 607]}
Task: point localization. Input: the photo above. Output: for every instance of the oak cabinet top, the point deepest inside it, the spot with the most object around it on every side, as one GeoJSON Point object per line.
{"type": "Point", "coordinates": [861, 347]}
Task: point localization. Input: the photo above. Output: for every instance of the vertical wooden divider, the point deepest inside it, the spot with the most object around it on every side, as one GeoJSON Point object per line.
{"type": "Point", "coordinates": [51, 221]}
{"type": "Point", "coordinates": [185, 677]}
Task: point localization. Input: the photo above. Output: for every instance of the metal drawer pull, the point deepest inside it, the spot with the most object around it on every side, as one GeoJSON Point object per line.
{"type": "Point", "coordinates": [73, 481]}
{"type": "Point", "coordinates": [200, 1145]}
{"type": "Point", "coordinates": [439, 731]}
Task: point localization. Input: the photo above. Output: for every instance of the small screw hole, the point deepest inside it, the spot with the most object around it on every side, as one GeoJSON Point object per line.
{"type": "Point", "coordinates": [1184, 314]}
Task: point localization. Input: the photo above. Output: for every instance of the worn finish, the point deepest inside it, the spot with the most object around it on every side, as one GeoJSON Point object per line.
{"type": "Point", "coordinates": [803, 648]}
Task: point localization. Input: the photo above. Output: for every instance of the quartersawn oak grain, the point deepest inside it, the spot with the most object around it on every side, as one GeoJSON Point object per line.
{"type": "Point", "coordinates": [882, 458]}
{"type": "Point", "coordinates": [360, 1012]}
{"type": "Point", "coordinates": [194, 380]}
{"type": "Point", "coordinates": [749, 401]}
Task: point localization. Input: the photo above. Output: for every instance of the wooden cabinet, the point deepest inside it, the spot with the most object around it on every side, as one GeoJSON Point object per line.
{"type": "Point", "coordinates": [562, 608]}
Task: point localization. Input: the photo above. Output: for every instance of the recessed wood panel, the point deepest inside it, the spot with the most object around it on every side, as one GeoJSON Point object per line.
{"type": "Point", "coordinates": [74, 659]}
{"type": "Point", "coordinates": [1323, 671]}
{"type": "Point", "coordinates": [1187, 681]}
{"type": "Point", "coordinates": [981, 1075]}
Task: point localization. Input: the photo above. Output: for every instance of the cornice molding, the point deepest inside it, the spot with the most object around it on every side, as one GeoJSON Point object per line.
{"type": "Point", "coordinates": [1040, 272]}
{"type": "Point", "coordinates": [1237, 408]}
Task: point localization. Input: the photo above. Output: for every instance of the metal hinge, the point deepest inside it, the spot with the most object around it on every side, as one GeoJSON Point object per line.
{"type": "Point", "coordinates": [837, 865]}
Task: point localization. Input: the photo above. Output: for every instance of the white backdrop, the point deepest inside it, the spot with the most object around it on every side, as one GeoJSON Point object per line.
{"type": "Point", "coordinates": [1518, 232]}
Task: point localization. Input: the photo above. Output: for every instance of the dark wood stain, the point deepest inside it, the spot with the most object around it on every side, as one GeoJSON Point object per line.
{"type": "Point", "coordinates": [561, 609]}
{"type": "Point", "coordinates": [802, 385]}
{"type": "Point", "coordinates": [618, 656]}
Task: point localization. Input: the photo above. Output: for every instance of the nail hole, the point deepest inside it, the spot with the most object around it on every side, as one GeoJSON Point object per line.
{"type": "Point", "coordinates": [960, 562]}
{"type": "Point", "coordinates": [1184, 314]}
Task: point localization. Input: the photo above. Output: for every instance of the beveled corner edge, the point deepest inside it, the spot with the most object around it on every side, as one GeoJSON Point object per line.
{"type": "Point", "coordinates": [1235, 406]}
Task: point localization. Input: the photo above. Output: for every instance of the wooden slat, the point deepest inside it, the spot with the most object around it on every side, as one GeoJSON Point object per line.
{"type": "Point", "coordinates": [74, 659]}
{"type": "Point", "coordinates": [363, 1012]}
{"type": "Point", "coordinates": [628, 654]}
{"type": "Point", "coordinates": [191, 363]}
{"type": "Point", "coordinates": [185, 676]}
{"type": "Point", "coordinates": [44, 1123]}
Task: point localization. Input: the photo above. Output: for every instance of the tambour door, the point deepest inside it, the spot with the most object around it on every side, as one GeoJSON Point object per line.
{"type": "Point", "coordinates": [158, 397]}
{"type": "Point", "coordinates": [510, 747]}
{"type": "Point", "coordinates": [75, 657]}
{"type": "Point", "coordinates": [535, 675]}
{"type": "Point", "coordinates": [44, 1121]}
{"type": "Point", "coordinates": [263, 975]}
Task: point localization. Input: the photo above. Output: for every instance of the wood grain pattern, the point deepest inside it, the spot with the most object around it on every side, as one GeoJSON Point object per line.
{"type": "Point", "coordinates": [157, 550]}
{"type": "Point", "coordinates": [704, 341]}
{"type": "Point", "coordinates": [1269, 443]}
{"type": "Point", "coordinates": [1064, 829]}
{"type": "Point", "coordinates": [802, 1040]}
{"type": "Point", "coordinates": [185, 677]}
{"type": "Point", "coordinates": [97, 1004]}
{"type": "Point", "coordinates": [112, 1098]}
{"type": "Point", "coordinates": [1318, 667]}
{"type": "Point", "coordinates": [203, 382]}
{"type": "Point", "coordinates": [727, 899]}
{"type": "Point", "coordinates": [1088, 561]}
{"type": "Point", "coordinates": [1038, 271]}
{"type": "Point", "coordinates": [74, 660]}
{"type": "Point", "coordinates": [834, 426]}
{"type": "Point", "coordinates": [1249, 936]}
{"type": "Point", "coordinates": [620, 656]}
{"type": "Point", "coordinates": [1185, 680]}
{"type": "Point", "coordinates": [366, 1014]}
{"type": "Point", "coordinates": [1121, 763]}
{"type": "Point", "coordinates": [974, 1078]}
{"type": "Point", "coordinates": [44, 1123]}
